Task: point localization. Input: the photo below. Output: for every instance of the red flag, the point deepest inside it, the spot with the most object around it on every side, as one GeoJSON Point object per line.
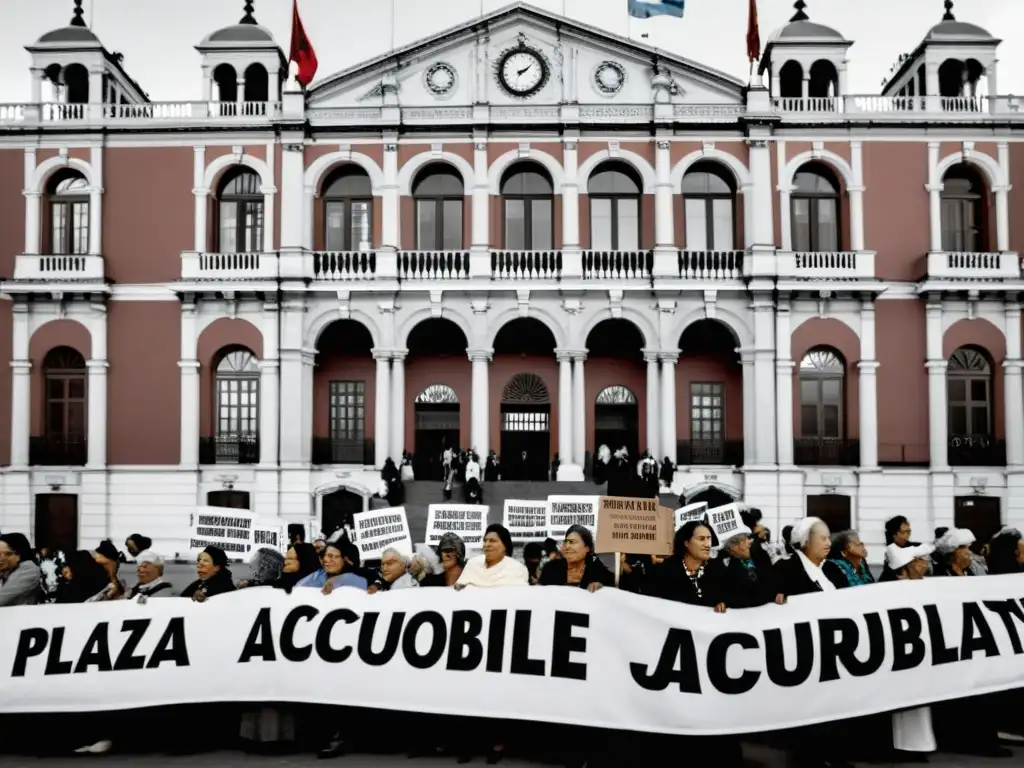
{"type": "Point", "coordinates": [753, 34]}
{"type": "Point", "coordinates": [302, 50]}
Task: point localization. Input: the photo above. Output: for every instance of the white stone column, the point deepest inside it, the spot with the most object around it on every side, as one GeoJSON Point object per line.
{"type": "Point", "coordinates": [570, 196]}
{"type": "Point", "coordinates": [856, 192]}
{"type": "Point", "coordinates": [749, 406]}
{"type": "Point", "coordinates": [480, 226]}
{"type": "Point", "coordinates": [1013, 391]}
{"type": "Point", "coordinates": [201, 196]}
{"type": "Point", "coordinates": [934, 188]}
{"type": "Point", "coordinates": [33, 204]}
{"type": "Point", "coordinates": [480, 407]}
{"type": "Point", "coordinates": [296, 197]}
{"type": "Point", "coordinates": [938, 419]}
{"type": "Point", "coordinates": [579, 403]}
{"type": "Point", "coordinates": [294, 392]}
{"type": "Point", "coordinates": [785, 188]}
{"type": "Point", "coordinates": [652, 406]}
{"type": "Point", "coordinates": [96, 202]}
{"type": "Point", "coordinates": [189, 366]}
{"type": "Point", "coordinates": [382, 406]}
{"type": "Point", "coordinates": [270, 391]}
{"type": "Point", "coordinates": [397, 445]}
{"type": "Point", "coordinates": [784, 367]}
{"type": "Point", "coordinates": [664, 220]}
{"type": "Point", "coordinates": [868, 388]}
{"type": "Point", "coordinates": [668, 405]}
{"type": "Point", "coordinates": [96, 394]}
{"type": "Point", "coordinates": [207, 84]}
{"type": "Point", "coordinates": [38, 75]}
{"type": "Point", "coordinates": [391, 224]}
{"type": "Point", "coordinates": [565, 405]}
{"type": "Point", "coordinates": [1002, 192]}
{"type": "Point", "coordinates": [240, 94]}
{"type": "Point", "coordinates": [21, 386]}
{"type": "Point", "coordinates": [766, 429]}
{"type": "Point", "coordinates": [269, 209]}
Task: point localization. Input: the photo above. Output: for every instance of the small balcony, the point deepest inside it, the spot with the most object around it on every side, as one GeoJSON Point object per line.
{"type": "Point", "coordinates": [711, 265]}
{"type": "Point", "coordinates": [618, 265]}
{"type": "Point", "coordinates": [154, 114]}
{"type": "Point", "coordinates": [826, 265]}
{"type": "Point", "coordinates": [433, 265]}
{"type": "Point", "coordinates": [229, 266]}
{"type": "Point", "coordinates": [966, 265]}
{"type": "Point", "coordinates": [874, 106]}
{"type": "Point", "coordinates": [526, 265]}
{"type": "Point", "coordinates": [327, 450]}
{"type": "Point", "coordinates": [229, 449]}
{"type": "Point", "coordinates": [57, 451]}
{"type": "Point", "coordinates": [826, 452]}
{"type": "Point", "coordinates": [728, 453]}
{"type": "Point", "coordinates": [976, 451]}
{"type": "Point", "coordinates": [72, 267]}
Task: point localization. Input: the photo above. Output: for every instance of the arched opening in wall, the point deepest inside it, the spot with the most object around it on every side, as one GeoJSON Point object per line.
{"type": "Point", "coordinates": [712, 496]}
{"type": "Point", "coordinates": [834, 510]}
{"type": "Point", "coordinates": [236, 399]}
{"type": "Point", "coordinates": [437, 363]}
{"type": "Point", "coordinates": [614, 189]}
{"type": "Point", "coordinates": [347, 195]}
{"type": "Point", "coordinates": [76, 84]}
{"type": "Point", "coordinates": [824, 82]}
{"type": "Point", "coordinates": [969, 393]}
{"type": "Point", "coordinates": [525, 428]}
{"type": "Point", "coordinates": [822, 440]}
{"type": "Point", "coordinates": [65, 405]}
{"type": "Point", "coordinates": [437, 429]}
{"type": "Point", "coordinates": [439, 195]}
{"type": "Point", "coordinates": [528, 199]}
{"type": "Point", "coordinates": [815, 209]}
{"type": "Point", "coordinates": [922, 81]}
{"type": "Point", "coordinates": [338, 509]}
{"type": "Point", "coordinates": [228, 499]}
{"type": "Point", "coordinates": [257, 84]}
{"type": "Point", "coordinates": [240, 212]}
{"type": "Point", "coordinates": [67, 195]}
{"type": "Point", "coordinates": [960, 80]}
{"type": "Point", "coordinates": [791, 81]}
{"type": "Point", "coordinates": [53, 84]}
{"type": "Point", "coordinates": [56, 521]}
{"type": "Point", "coordinates": [616, 370]}
{"type": "Point", "coordinates": [226, 81]}
{"type": "Point", "coordinates": [617, 420]}
{"type": "Point", "coordinates": [709, 391]}
{"type": "Point", "coordinates": [709, 207]}
{"type": "Point", "coordinates": [964, 213]}
{"type": "Point", "coordinates": [981, 515]}
{"type": "Point", "coordinates": [344, 384]}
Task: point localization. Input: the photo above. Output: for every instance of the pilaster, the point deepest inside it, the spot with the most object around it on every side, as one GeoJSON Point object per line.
{"type": "Point", "coordinates": [382, 407]}
{"type": "Point", "coordinates": [669, 446]}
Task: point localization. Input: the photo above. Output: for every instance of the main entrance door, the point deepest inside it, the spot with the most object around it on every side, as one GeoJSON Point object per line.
{"type": "Point", "coordinates": [834, 509]}
{"type": "Point", "coordinates": [525, 428]}
{"type": "Point", "coordinates": [617, 421]}
{"type": "Point", "coordinates": [57, 521]}
{"type": "Point", "coordinates": [338, 509]}
{"type": "Point", "coordinates": [980, 514]}
{"type": "Point", "coordinates": [437, 428]}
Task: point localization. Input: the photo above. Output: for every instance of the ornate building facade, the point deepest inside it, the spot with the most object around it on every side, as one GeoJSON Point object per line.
{"type": "Point", "coordinates": [523, 235]}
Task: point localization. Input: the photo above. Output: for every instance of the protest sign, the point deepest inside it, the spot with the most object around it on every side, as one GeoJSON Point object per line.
{"type": "Point", "coordinates": [526, 520]}
{"type": "Point", "coordinates": [640, 663]}
{"type": "Point", "coordinates": [229, 529]}
{"type": "Point", "coordinates": [381, 529]}
{"type": "Point", "coordinates": [636, 526]}
{"type": "Point", "coordinates": [690, 512]}
{"type": "Point", "coordinates": [270, 535]}
{"type": "Point", "coordinates": [725, 521]}
{"type": "Point", "coordinates": [564, 511]}
{"type": "Point", "coordinates": [468, 521]}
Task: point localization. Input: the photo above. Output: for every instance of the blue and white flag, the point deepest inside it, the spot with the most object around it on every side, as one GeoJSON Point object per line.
{"type": "Point", "coordinates": [645, 9]}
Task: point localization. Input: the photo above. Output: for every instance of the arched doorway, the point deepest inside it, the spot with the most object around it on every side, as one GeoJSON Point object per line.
{"type": "Point", "coordinates": [337, 510]}
{"type": "Point", "coordinates": [617, 420]}
{"type": "Point", "coordinates": [437, 428]}
{"type": "Point", "coordinates": [525, 428]}
{"type": "Point", "coordinates": [714, 497]}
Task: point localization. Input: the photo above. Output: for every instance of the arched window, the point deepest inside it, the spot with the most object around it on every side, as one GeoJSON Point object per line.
{"type": "Point", "coordinates": [821, 394]}
{"type": "Point", "coordinates": [439, 193]}
{"type": "Point", "coordinates": [969, 392]}
{"type": "Point", "coordinates": [64, 420]}
{"type": "Point", "coordinates": [815, 204]}
{"type": "Point", "coordinates": [348, 210]}
{"type": "Point", "coordinates": [241, 212]}
{"type": "Point", "coordinates": [709, 203]}
{"type": "Point", "coordinates": [237, 385]}
{"type": "Point", "coordinates": [529, 201]}
{"type": "Point", "coordinates": [615, 190]}
{"type": "Point", "coordinates": [227, 83]}
{"type": "Point", "coordinates": [963, 211]}
{"type": "Point", "coordinates": [68, 194]}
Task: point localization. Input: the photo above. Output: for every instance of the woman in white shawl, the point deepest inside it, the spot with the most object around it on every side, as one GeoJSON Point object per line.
{"type": "Point", "coordinates": [495, 567]}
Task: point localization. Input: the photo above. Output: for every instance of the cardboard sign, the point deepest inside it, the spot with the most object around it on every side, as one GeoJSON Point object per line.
{"type": "Point", "coordinates": [564, 511]}
{"type": "Point", "coordinates": [526, 520]}
{"type": "Point", "coordinates": [636, 526]}
{"type": "Point", "coordinates": [690, 512]}
{"type": "Point", "coordinates": [230, 529]}
{"type": "Point", "coordinates": [381, 529]}
{"type": "Point", "coordinates": [270, 536]}
{"type": "Point", "coordinates": [467, 521]}
{"type": "Point", "coordinates": [725, 521]}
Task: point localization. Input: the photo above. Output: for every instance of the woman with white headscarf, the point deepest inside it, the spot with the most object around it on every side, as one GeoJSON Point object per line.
{"type": "Point", "coordinates": [953, 556]}
{"type": "Point", "coordinates": [802, 573]}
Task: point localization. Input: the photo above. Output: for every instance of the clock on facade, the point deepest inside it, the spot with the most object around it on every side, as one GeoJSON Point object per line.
{"type": "Point", "coordinates": [609, 77]}
{"type": "Point", "coordinates": [522, 71]}
{"type": "Point", "coordinates": [440, 79]}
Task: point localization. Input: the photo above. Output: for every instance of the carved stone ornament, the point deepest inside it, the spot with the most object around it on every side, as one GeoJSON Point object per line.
{"type": "Point", "coordinates": [390, 147]}
{"type": "Point", "coordinates": [609, 77]}
{"type": "Point", "coordinates": [664, 144]}
{"type": "Point", "coordinates": [440, 78]}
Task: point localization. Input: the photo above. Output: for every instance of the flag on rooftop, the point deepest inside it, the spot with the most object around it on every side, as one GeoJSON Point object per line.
{"type": "Point", "coordinates": [646, 9]}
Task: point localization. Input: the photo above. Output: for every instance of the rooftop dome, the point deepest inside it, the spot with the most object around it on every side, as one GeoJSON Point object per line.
{"type": "Point", "coordinates": [958, 29]}
{"type": "Point", "coordinates": [246, 31]}
{"type": "Point", "coordinates": [75, 32]}
{"type": "Point", "coordinates": [806, 30]}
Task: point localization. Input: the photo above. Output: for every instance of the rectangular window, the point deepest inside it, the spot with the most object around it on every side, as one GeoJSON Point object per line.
{"type": "Point", "coordinates": [426, 225]}
{"type": "Point", "coordinates": [959, 230]}
{"type": "Point", "coordinates": [69, 227]}
{"type": "Point", "coordinates": [802, 225]}
{"type": "Point", "coordinates": [515, 224]}
{"type": "Point", "coordinates": [542, 231]}
{"type": "Point", "coordinates": [722, 225]}
{"type": "Point", "coordinates": [707, 411]}
{"type": "Point", "coordinates": [347, 225]}
{"type": "Point", "coordinates": [229, 227]}
{"type": "Point", "coordinates": [361, 226]}
{"type": "Point", "coordinates": [253, 235]}
{"type": "Point", "coordinates": [827, 222]}
{"type": "Point", "coordinates": [601, 224]}
{"type": "Point", "coordinates": [237, 407]}
{"type": "Point", "coordinates": [452, 236]}
{"type": "Point", "coordinates": [628, 223]}
{"type": "Point", "coordinates": [348, 410]}
{"type": "Point", "coordinates": [969, 406]}
{"type": "Point", "coordinates": [709, 224]}
{"type": "Point", "coordinates": [65, 406]}
{"type": "Point", "coordinates": [695, 211]}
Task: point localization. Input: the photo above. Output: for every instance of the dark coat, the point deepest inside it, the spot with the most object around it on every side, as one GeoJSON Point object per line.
{"type": "Point", "coordinates": [668, 580]}
{"type": "Point", "coordinates": [217, 584]}
{"type": "Point", "coordinates": [556, 573]}
{"type": "Point", "coordinates": [792, 579]}
{"type": "Point", "coordinates": [745, 587]}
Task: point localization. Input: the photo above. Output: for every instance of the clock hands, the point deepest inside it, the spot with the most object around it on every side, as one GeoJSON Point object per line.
{"type": "Point", "coordinates": [524, 70]}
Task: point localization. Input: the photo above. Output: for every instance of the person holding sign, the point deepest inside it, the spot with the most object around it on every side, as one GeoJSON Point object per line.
{"type": "Point", "coordinates": [579, 566]}
{"type": "Point", "coordinates": [690, 575]}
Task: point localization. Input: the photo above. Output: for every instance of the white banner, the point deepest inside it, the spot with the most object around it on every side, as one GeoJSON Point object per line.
{"type": "Point", "coordinates": [565, 511]}
{"type": "Point", "coordinates": [526, 520]}
{"type": "Point", "coordinates": [522, 652]}
{"type": "Point", "coordinates": [467, 520]}
{"type": "Point", "coordinates": [382, 529]}
{"type": "Point", "coordinates": [229, 529]}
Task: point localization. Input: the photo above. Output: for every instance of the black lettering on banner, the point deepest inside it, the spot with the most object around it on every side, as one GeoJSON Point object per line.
{"type": "Point", "coordinates": [54, 665]}
{"type": "Point", "coordinates": [718, 673]}
{"type": "Point", "coordinates": [564, 643]}
{"type": "Point", "coordinates": [365, 647]}
{"type": "Point", "coordinates": [1007, 610]}
{"type": "Point", "coordinates": [908, 649]}
{"type": "Point", "coordinates": [465, 651]}
{"type": "Point", "coordinates": [96, 652]}
{"type": "Point", "coordinates": [127, 659]}
{"type": "Point", "coordinates": [260, 642]}
{"type": "Point", "coordinates": [438, 640]}
{"type": "Point", "coordinates": [324, 649]}
{"type": "Point", "coordinates": [941, 653]}
{"type": "Point", "coordinates": [522, 664]}
{"type": "Point", "coordinates": [31, 642]}
{"type": "Point", "coordinates": [977, 634]}
{"type": "Point", "coordinates": [840, 639]}
{"type": "Point", "coordinates": [496, 640]}
{"type": "Point", "coordinates": [288, 648]}
{"type": "Point", "coordinates": [171, 646]}
{"type": "Point", "coordinates": [775, 656]}
{"type": "Point", "coordinates": [677, 664]}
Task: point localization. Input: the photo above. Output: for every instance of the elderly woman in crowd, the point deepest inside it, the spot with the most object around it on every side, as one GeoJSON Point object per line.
{"type": "Point", "coordinates": [802, 573]}
{"type": "Point", "coordinates": [847, 562]}
{"type": "Point", "coordinates": [690, 575]}
{"type": "Point", "coordinates": [747, 581]}
{"type": "Point", "coordinates": [214, 575]}
{"type": "Point", "coordinates": [267, 565]}
{"type": "Point", "coordinates": [340, 563]}
{"type": "Point", "coordinates": [495, 567]}
{"type": "Point", "coordinates": [453, 560]}
{"type": "Point", "coordinates": [394, 572]}
{"type": "Point", "coordinates": [20, 580]}
{"type": "Point", "coordinates": [907, 563]}
{"type": "Point", "coordinates": [300, 561]}
{"type": "Point", "coordinates": [953, 556]}
{"type": "Point", "coordinates": [579, 566]}
{"type": "Point", "coordinates": [150, 570]}
{"type": "Point", "coordinates": [1006, 552]}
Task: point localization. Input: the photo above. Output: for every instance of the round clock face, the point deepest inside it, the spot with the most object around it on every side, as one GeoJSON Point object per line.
{"type": "Point", "coordinates": [609, 77]}
{"type": "Point", "coordinates": [522, 72]}
{"type": "Point", "coordinates": [440, 79]}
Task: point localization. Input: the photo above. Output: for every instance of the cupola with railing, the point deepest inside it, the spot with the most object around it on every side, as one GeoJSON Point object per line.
{"type": "Point", "coordinates": [244, 69]}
